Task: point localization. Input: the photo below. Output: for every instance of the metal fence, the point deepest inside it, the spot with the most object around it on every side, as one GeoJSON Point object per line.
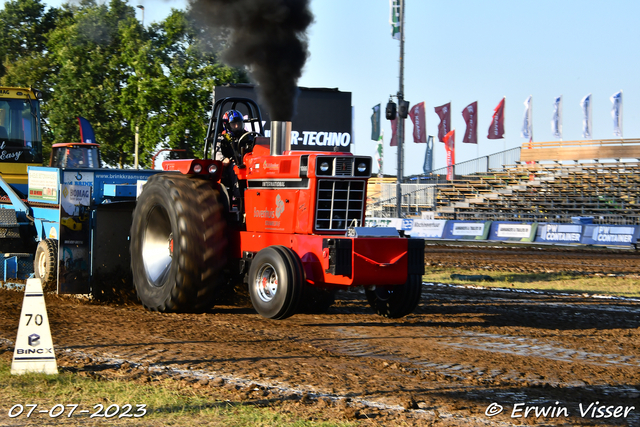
{"type": "Point", "coordinates": [419, 191]}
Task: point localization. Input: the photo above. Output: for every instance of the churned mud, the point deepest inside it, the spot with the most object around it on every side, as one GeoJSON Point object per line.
{"type": "Point", "coordinates": [465, 357]}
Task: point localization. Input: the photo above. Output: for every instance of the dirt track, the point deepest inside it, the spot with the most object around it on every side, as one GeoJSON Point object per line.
{"type": "Point", "coordinates": [463, 349]}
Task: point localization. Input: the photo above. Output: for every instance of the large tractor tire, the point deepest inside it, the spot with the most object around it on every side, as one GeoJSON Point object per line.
{"type": "Point", "coordinates": [178, 244]}
{"type": "Point", "coordinates": [45, 264]}
{"type": "Point", "coordinates": [396, 301]}
{"type": "Point", "coordinates": [276, 282]}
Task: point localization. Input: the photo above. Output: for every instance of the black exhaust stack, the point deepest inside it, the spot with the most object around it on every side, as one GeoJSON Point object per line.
{"type": "Point", "coordinates": [280, 137]}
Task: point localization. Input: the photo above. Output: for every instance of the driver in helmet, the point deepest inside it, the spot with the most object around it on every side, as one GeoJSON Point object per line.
{"type": "Point", "coordinates": [230, 152]}
{"type": "Point", "coordinates": [233, 129]}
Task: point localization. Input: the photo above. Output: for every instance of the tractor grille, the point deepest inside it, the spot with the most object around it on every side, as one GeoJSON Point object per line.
{"type": "Point", "coordinates": [344, 166]}
{"type": "Point", "coordinates": [339, 203]}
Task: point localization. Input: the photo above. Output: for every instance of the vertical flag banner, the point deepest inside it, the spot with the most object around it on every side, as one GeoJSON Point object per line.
{"type": "Point", "coordinates": [395, 18]}
{"type": "Point", "coordinates": [450, 146]}
{"type": "Point", "coordinates": [375, 123]}
{"type": "Point", "coordinates": [86, 131]}
{"type": "Point", "coordinates": [496, 129]}
{"type": "Point", "coordinates": [417, 115]}
{"type": "Point", "coordinates": [428, 156]}
{"type": "Point", "coordinates": [444, 112]}
{"type": "Point", "coordinates": [556, 121]}
{"type": "Point", "coordinates": [616, 113]}
{"type": "Point", "coordinates": [527, 127]}
{"type": "Point", "coordinates": [380, 153]}
{"type": "Point", "coordinates": [394, 135]}
{"type": "Point", "coordinates": [586, 111]}
{"type": "Point", "coordinates": [470, 116]}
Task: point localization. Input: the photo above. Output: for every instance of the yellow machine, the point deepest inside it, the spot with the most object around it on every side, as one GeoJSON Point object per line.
{"type": "Point", "coordinates": [20, 134]}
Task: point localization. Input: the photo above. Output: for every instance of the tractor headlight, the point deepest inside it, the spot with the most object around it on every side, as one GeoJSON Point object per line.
{"type": "Point", "coordinates": [324, 165]}
{"type": "Point", "coordinates": [363, 166]}
{"type": "Point", "coordinates": [197, 168]}
{"type": "Point", "coordinates": [213, 168]}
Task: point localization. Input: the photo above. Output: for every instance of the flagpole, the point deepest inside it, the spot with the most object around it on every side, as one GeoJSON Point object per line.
{"type": "Point", "coordinates": [401, 120]}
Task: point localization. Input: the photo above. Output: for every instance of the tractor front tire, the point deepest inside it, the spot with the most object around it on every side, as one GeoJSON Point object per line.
{"type": "Point", "coordinates": [396, 301]}
{"type": "Point", "coordinates": [276, 282]}
{"type": "Point", "coordinates": [178, 244]}
{"type": "Point", "coordinates": [45, 264]}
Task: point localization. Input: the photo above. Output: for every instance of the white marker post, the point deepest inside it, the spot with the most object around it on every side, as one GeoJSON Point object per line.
{"type": "Point", "coordinates": [34, 347]}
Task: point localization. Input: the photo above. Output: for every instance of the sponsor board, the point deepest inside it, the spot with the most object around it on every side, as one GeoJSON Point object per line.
{"type": "Point", "coordinates": [559, 233]}
{"type": "Point", "coordinates": [43, 185]}
{"type": "Point", "coordinates": [610, 235]}
{"type": "Point", "coordinates": [467, 230]}
{"type": "Point", "coordinates": [513, 231]}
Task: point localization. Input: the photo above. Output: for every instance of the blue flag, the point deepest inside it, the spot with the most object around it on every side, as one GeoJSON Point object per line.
{"type": "Point", "coordinates": [86, 131]}
{"type": "Point", "coordinates": [556, 120]}
{"type": "Point", "coordinates": [616, 113]}
{"type": "Point", "coordinates": [586, 122]}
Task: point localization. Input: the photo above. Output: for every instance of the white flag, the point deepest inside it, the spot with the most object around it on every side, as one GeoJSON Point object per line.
{"type": "Point", "coordinates": [586, 122]}
{"type": "Point", "coordinates": [395, 18]}
{"type": "Point", "coordinates": [527, 127]}
{"type": "Point", "coordinates": [556, 121]}
{"type": "Point", "coordinates": [616, 113]}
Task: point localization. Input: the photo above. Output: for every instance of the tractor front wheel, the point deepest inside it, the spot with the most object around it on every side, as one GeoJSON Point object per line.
{"type": "Point", "coordinates": [46, 262]}
{"type": "Point", "coordinates": [178, 244]}
{"type": "Point", "coordinates": [275, 282]}
{"type": "Point", "coordinates": [398, 300]}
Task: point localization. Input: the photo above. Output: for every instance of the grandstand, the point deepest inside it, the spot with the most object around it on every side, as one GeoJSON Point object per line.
{"type": "Point", "coordinates": [540, 181]}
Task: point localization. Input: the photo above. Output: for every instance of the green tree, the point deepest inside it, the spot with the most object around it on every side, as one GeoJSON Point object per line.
{"type": "Point", "coordinates": [24, 57]}
{"type": "Point", "coordinates": [171, 81]}
{"type": "Point", "coordinates": [121, 76]}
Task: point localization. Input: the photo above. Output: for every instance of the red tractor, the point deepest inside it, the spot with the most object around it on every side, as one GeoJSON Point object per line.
{"type": "Point", "coordinates": [287, 223]}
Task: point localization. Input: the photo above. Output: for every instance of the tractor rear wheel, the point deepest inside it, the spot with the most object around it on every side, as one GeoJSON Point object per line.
{"type": "Point", "coordinates": [398, 300]}
{"type": "Point", "coordinates": [45, 264]}
{"type": "Point", "coordinates": [178, 244]}
{"type": "Point", "coordinates": [275, 282]}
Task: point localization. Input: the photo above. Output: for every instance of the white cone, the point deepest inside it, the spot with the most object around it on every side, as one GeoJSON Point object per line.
{"type": "Point", "coordinates": [34, 347]}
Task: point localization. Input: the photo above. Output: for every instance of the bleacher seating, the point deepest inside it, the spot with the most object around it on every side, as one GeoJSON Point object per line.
{"type": "Point", "coordinates": [542, 187]}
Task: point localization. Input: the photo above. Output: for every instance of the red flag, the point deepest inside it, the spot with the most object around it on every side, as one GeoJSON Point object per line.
{"type": "Point", "coordinates": [419, 123]}
{"type": "Point", "coordinates": [394, 135]}
{"type": "Point", "coordinates": [444, 112]}
{"type": "Point", "coordinates": [449, 145]}
{"type": "Point", "coordinates": [470, 115]}
{"type": "Point", "coordinates": [496, 129]}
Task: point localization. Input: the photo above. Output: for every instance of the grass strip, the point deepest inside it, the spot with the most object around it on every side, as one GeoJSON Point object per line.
{"type": "Point", "coordinates": [611, 285]}
{"type": "Point", "coordinates": [168, 403]}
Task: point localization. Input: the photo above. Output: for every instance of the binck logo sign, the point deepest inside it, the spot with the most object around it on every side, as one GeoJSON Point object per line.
{"type": "Point", "coordinates": [34, 340]}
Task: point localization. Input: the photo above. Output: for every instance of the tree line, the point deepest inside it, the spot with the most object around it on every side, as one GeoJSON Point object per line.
{"type": "Point", "coordinates": [98, 61]}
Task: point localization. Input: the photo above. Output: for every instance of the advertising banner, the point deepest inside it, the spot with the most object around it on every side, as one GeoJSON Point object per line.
{"type": "Point", "coordinates": [513, 231]}
{"type": "Point", "coordinates": [74, 252]}
{"type": "Point", "coordinates": [43, 185]}
{"type": "Point", "coordinates": [610, 235]}
{"type": "Point", "coordinates": [427, 229]}
{"type": "Point", "coordinates": [467, 230]}
{"type": "Point", "coordinates": [559, 233]}
{"type": "Point", "coordinates": [383, 222]}
{"type": "Point", "coordinates": [322, 120]}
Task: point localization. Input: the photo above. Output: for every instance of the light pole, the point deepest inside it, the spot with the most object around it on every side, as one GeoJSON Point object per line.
{"type": "Point", "coordinates": [141, 7]}
{"type": "Point", "coordinates": [137, 136]}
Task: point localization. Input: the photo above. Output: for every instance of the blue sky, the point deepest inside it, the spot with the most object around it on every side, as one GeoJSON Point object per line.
{"type": "Point", "coordinates": [467, 50]}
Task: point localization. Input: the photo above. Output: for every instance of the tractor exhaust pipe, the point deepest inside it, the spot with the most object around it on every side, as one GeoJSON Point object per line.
{"type": "Point", "coordinates": [280, 137]}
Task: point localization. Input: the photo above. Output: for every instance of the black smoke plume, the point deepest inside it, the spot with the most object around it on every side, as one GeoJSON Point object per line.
{"type": "Point", "coordinates": [268, 37]}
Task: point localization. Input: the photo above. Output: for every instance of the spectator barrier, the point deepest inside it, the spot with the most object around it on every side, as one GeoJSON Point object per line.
{"type": "Point", "coordinates": [516, 232]}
